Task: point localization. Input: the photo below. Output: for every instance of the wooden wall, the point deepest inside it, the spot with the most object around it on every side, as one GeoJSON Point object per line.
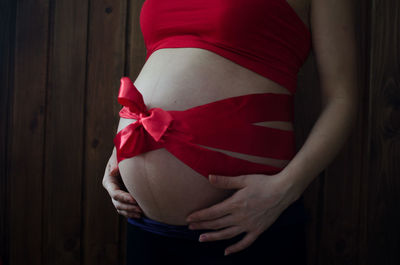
{"type": "Point", "coordinates": [61, 62]}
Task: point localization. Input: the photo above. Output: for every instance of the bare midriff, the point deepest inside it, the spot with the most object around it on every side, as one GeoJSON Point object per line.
{"type": "Point", "coordinates": [177, 79]}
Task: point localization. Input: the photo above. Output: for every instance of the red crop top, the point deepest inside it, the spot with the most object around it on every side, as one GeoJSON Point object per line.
{"type": "Point", "coordinates": [265, 36]}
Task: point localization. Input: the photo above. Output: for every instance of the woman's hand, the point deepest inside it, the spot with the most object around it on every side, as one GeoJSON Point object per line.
{"type": "Point", "coordinates": [123, 201]}
{"type": "Point", "coordinates": [257, 203]}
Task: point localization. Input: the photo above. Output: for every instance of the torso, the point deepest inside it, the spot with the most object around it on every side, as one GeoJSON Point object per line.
{"type": "Point", "coordinates": [177, 79]}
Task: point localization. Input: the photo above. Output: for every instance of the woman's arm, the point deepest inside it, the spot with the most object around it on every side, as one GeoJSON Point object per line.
{"type": "Point", "coordinates": [334, 45]}
{"type": "Point", "coordinates": [260, 199]}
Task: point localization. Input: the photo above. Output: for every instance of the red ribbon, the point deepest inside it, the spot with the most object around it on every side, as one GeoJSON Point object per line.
{"type": "Point", "coordinates": [225, 124]}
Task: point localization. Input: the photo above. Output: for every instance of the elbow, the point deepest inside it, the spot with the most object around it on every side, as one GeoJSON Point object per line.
{"type": "Point", "coordinates": [344, 94]}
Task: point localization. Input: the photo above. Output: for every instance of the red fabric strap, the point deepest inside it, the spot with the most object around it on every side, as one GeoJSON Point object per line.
{"type": "Point", "coordinates": [225, 124]}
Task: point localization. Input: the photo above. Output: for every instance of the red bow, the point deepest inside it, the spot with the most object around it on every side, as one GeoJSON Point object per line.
{"type": "Point", "coordinates": [155, 121]}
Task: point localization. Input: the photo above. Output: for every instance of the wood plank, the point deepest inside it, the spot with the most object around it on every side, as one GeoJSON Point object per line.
{"type": "Point", "coordinates": [7, 38]}
{"type": "Point", "coordinates": [106, 61]}
{"type": "Point", "coordinates": [339, 233]}
{"type": "Point", "coordinates": [382, 194]}
{"type": "Point", "coordinates": [306, 115]}
{"type": "Point", "coordinates": [364, 41]}
{"type": "Point", "coordinates": [136, 55]}
{"type": "Point", "coordinates": [136, 49]}
{"type": "Point", "coordinates": [62, 204]}
{"type": "Point", "coordinates": [27, 132]}
{"type": "Point", "coordinates": [341, 210]}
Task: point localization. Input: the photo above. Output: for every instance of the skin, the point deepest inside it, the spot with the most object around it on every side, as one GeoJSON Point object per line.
{"type": "Point", "coordinates": [253, 202]}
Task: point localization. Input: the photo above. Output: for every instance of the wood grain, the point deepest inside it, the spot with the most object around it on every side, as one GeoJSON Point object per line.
{"type": "Point", "coordinates": [381, 192]}
{"type": "Point", "coordinates": [105, 67]}
{"type": "Point", "coordinates": [27, 133]}
{"type": "Point", "coordinates": [304, 118]}
{"type": "Point", "coordinates": [7, 43]}
{"type": "Point", "coordinates": [62, 182]}
{"type": "Point", "coordinates": [135, 59]}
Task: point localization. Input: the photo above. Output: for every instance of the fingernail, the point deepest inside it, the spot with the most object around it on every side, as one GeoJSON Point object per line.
{"type": "Point", "coordinates": [213, 178]}
{"type": "Point", "coordinates": [202, 238]}
{"type": "Point", "coordinates": [226, 253]}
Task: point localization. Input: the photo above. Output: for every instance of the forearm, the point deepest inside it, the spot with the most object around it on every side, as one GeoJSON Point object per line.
{"type": "Point", "coordinates": [325, 140]}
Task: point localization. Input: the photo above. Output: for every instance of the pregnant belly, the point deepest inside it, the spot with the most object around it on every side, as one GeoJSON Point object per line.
{"type": "Point", "coordinates": [176, 79]}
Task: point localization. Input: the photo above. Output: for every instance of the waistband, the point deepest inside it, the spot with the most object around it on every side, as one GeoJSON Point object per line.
{"type": "Point", "coordinates": [176, 231]}
{"type": "Point", "coordinates": [296, 213]}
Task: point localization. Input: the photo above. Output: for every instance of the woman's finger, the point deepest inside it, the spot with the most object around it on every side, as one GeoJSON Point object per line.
{"type": "Point", "coordinates": [128, 214]}
{"type": "Point", "coordinates": [122, 200]}
{"type": "Point", "coordinates": [245, 242]}
{"type": "Point", "coordinates": [218, 223]}
{"type": "Point", "coordinates": [110, 181]}
{"type": "Point", "coordinates": [213, 212]}
{"type": "Point", "coordinates": [114, 171]}
{"type": "Point", "coordinates": [127, 207]}
{"type": "Point", "coordinates": [226, 233]}
{"type": "Point", "coordinates": [122, 196]}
